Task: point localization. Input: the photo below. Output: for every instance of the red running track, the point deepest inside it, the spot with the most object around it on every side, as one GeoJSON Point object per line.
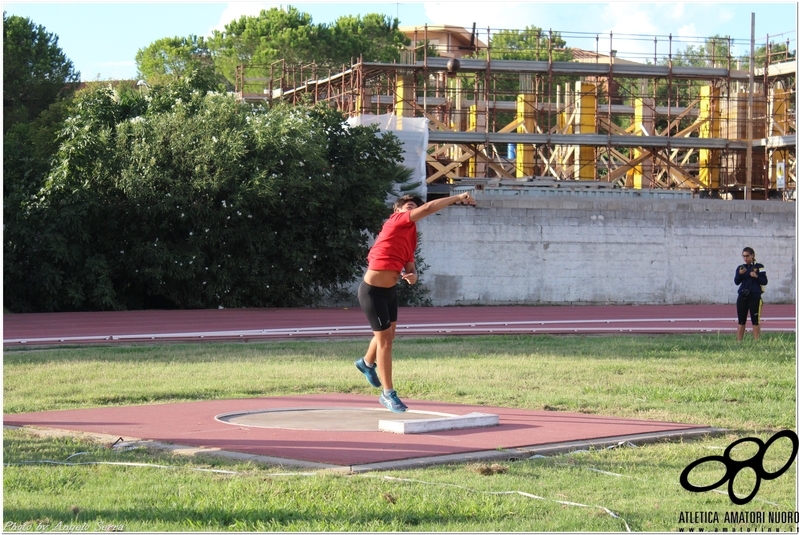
{"type": "Point", "coordinates": [262, 324]}
{"type": "Point", "coordinates": [194, 424]}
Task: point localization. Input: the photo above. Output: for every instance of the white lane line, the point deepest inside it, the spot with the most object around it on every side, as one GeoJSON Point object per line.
{"type": "Point", "coordinates": [474, 327]}
{"type": "Point", "coordinates": [361, 328]}
{"type": "Point", "coordinates": [615, 320]}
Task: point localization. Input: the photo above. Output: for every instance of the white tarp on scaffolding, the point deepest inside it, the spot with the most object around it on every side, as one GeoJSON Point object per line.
{"type": "Point", "coordinates": [413, 133]}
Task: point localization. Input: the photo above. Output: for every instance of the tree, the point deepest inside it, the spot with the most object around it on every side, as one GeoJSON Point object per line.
{"type": "Point", "coordinates": [291, 36]}
{"type": "Point", "coordinates": [275, 34]}
{"type": "Point", "coordinates": [52, 260]}
{"type": "Point", "coordinates": [531, 43]}
{"type": "Point", "coordinates": [27, 151]}
{"type": "Point", "coordinates": [183, 198]}
{"type": "Point", "coordinates": [776, 52]}
{"type": "Point", "coordinates": [36, 72]}
{"type": "Point", "coordinates": [773, 52]}
{"type": "Point", "coordinates": [715, 52]}
{"type": "Point", "coordinates": [374, 37]}
{"type": "Point", "coordinates": [173, 58]}
{"type": "Point", "coordinates": [37, 89]}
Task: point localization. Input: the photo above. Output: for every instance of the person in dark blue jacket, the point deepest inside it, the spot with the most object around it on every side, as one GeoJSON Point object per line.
{"type": "Point", "coordinates": [750, 278]}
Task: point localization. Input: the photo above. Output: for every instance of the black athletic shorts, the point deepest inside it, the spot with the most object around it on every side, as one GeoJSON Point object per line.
{"type": "Point", "coordinates": [379, 305]}
{"type": "Point", "coordinates": [750, 304]}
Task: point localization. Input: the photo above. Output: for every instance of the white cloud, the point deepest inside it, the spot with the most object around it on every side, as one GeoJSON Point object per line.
{"type": "Point", "coordinates": [689, 30]}
{"type": "Point", "coordinates": [627, 21]}
{"type": "Point", "coordinates": [636, 27]}
{"type": "Point", "coordinates": [494, 15]}
{"type": "Point", "coordinates": [630, 19]}
{"type": "Point", "coordinates": [624, 24]}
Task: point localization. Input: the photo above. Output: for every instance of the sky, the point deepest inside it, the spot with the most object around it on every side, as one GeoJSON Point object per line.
{"type": "Point", "coordinates": [102, 38]}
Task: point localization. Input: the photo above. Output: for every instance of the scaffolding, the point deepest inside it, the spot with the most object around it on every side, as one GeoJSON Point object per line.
{"type": "Point", "coordinates": [713, 129]}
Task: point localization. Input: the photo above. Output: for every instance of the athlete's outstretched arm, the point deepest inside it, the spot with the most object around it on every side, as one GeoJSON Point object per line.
{"type": "Point", "coordinates": [432, 207]}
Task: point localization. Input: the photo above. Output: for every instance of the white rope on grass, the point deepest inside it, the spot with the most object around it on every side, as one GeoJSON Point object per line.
{"type": "Point", "coordinates": [755, 498]}
{"type": "Point", "coordinates": [150, 465]}
{"type": "Point", "coordinates": [120, 446]}
{"type": "Point", "coordinates": [642, 479]}
{"type": "Point", "coordinates": [141, 465]}
{"type": "Point", "coordinates": [612, 446]}
{"type": "Point", "coordinates": [504, 492]}
{"type": "Point", "coordinates": [630, 444]}
{"type": "Point", "coordinates": [608, 473]}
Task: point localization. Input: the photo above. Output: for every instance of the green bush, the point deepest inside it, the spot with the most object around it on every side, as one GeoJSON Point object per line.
{"type": "Point", "coordinates": [186, 198]}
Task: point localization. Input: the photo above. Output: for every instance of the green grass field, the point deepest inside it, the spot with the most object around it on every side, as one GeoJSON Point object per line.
{"type": "Point", "coordinates": [748, 388]}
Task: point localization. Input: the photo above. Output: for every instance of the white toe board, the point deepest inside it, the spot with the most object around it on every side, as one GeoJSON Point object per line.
{"type": "Point", "coordinates": [407, 427]}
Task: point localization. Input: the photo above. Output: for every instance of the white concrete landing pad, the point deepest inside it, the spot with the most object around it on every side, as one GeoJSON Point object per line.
{"type": "Point", "coordinates": [348, 419]}
{"type": "Point", "coordinates": [428, 425]}
{"type": "Point", "coordinates": [325, 419]}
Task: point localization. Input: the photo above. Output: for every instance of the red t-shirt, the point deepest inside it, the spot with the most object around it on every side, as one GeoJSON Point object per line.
{"type": "Point", "coordinates": [395, 245]}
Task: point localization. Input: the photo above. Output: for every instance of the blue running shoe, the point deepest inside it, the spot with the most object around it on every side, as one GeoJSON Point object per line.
{"type": "Point", "coordinates": [370, 373]}
{"type": "Point", "coordinates": [392, 402]}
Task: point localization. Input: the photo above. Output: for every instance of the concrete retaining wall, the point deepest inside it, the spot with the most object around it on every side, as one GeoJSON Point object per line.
{"type": "Point", "coordinates": [561, 250]}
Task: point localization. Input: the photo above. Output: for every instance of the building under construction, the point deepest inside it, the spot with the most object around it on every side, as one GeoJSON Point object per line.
{"type": "Point", "coordinates": [571, 117]}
